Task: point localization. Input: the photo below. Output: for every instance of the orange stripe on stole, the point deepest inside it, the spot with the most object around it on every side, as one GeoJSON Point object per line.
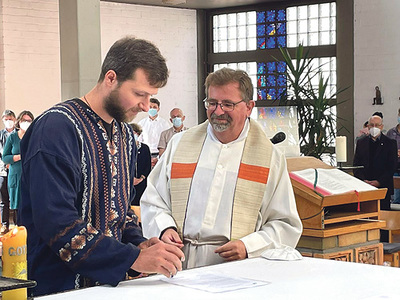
{"type": "Point", "coordinates": [180, 170]}
{"type": "Point", "coordinates": [253, 173]}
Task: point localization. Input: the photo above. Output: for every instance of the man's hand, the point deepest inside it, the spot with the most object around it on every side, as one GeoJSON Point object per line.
{"type": "Point", "coordinates": [233, 250]}
{"type": "Point", "coordinates": [159, 258]}
{"type": "Point", "coordinates": [170, 236]}
{"type": "Point", "coordinates": [374, 183]}
{"type": "Point", "coordinates": [148, 243]}
{"type": "Point", "coordinates": [136, 181]}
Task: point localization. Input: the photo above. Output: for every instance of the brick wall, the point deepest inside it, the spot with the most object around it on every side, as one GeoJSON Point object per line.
{"type": "Point", "coordinates": [29, 56]}
{"type": "Point", "coordinates": [30, 51]}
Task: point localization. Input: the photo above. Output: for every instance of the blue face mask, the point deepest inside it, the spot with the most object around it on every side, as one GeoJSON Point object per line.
{"type": "Point", "coordinates": [152, 112]}
{"type": "Point", "coordinates": [398, 120]}
{"type": "Point", "coordinates": [177, 122]}
{"type": "Point", "coordinates": [136, 137]}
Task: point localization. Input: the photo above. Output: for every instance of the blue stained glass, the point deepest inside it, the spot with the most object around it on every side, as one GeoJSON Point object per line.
{"type": "Point", "coordinates": [282, 41]}
{"type": "Point", "coordinates": [260, 17]}
{"type": "Point", "coordinates": [261, 81]}
{"type": "Point", "coordinates": [261, 68]}
{"type": "Point", "coordinates": [282, 92]}
{"type": "Point", "coordinates": [271, 94]}
{"type": "Point", "coordinates": [281, 80]}
{"type": "Point", "coordinates": [281, 66]}
{"type": "Point", "coordinates": [271, 67]}
{"type": "Point", "coordinates": [271, 29]}
{"type": "Point", "coordinates": [271, 80]}
{"type": "Point", "coordinates": [271, 42]}
{"type": "Point", "coordinates": [260, 30]}
{"type": "Point", "coordinates": [261, 43]}
{"type": "Point", "coordinates": [281, 28]}
{"type": "Point", "coordinates": [270, 14]}
{"type": "Point", "coordinates": [281, 15]}
{"type": "Point", "coordinates": [262, 94]}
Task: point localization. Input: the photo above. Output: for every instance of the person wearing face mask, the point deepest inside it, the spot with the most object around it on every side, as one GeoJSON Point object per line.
{"type": "Point", "coordinates": [12, 157]}
{"type": "Point", "coordinates": [152, 127]}
{"type": "Point", "coordinates": [177, 118]}
{"type": "Point", "coordinates": [394, 133]}
{"type": "Point", "coordinates": [143, 165]}
{"type": "Point", "coordinates": [378, 155]}
{"type": "Point", "coordinates": [9, 124]}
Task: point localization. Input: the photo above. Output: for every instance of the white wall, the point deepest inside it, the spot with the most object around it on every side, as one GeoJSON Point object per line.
{"type": "Point", "coordinates": [173, 31]}
{"type": "Point", "coordinates": [30, 56]}
{"type": "Point", "coordinates": [30, 52]}
{"type": "Point", "coordinates": [376, 59]}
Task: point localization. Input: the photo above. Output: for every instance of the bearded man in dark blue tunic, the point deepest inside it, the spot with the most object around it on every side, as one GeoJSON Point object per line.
{"type": "Point", "coordinates": [78, 161]}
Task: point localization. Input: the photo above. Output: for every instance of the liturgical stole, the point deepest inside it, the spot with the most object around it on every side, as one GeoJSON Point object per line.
{"type": "Point", "coordinates": [250, 185]}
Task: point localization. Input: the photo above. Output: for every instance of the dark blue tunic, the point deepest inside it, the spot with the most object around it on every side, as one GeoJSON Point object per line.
{"type": "Point", "coordinates": [77, 186]}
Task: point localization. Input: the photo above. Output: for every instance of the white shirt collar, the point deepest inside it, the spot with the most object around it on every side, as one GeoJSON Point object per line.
{"type": "Point", "coordinates": [241, 136]}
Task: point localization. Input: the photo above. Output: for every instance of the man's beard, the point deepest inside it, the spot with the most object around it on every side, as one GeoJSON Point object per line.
{"type": "Point", "coordinates": [113, 107]}
{"type": "Point", "coordinates": [220, 127]}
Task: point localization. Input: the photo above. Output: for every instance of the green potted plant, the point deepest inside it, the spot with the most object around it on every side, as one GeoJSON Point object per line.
{"type": "Point", "coordinates": [316, 118]}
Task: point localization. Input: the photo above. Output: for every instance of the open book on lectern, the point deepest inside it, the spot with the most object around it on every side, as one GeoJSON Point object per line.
{"type": "Point", "coordinates": [330, 181]}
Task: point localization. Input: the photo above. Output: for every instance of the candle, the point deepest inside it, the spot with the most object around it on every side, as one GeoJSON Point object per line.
{"type": "Point", "coordinates": [14, 260]}
{"type": "Point", "coordinates": [341, 153]}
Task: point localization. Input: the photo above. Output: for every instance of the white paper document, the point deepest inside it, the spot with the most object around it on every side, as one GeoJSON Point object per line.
{"type": "Point", "coordinates": [213, 282]}
{"type": "Point", "coordinates": [331, 181]}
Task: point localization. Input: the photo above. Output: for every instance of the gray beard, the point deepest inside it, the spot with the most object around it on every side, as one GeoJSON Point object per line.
{"type": "Point", "coordinates": [220, 127]}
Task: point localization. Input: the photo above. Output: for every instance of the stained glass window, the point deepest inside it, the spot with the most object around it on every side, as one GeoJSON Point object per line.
{"type": "Point", "coordinates": [271, 29]}
{"type": "Point", "coordinates": [271, 80]}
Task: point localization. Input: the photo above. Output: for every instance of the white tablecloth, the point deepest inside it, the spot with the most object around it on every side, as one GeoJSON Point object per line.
{"type": "Point", "coordinates": [310, 278]}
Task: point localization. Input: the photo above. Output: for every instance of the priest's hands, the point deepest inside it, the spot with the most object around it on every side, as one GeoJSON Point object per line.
{"type": "Point", "coordinates": [170, 236]}
{"type": "Point", "coordinates": [233, 250]}
{"type": "Point", "coordinates": [158, 257]}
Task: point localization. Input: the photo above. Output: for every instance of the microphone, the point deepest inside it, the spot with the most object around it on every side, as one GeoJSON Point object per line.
{"type": "Point", "coordinates": [277, 138]}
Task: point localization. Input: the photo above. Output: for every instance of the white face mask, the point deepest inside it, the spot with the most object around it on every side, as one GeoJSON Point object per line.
{"type": "Point", "coordinates": [9, 124]}
{"type": "Point", "coordinates": [374, 131]}
{"type": "Point", "coordinates": [24, 125]}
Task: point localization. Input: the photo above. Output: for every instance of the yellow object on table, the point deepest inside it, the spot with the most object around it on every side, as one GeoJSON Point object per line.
{"type": "Point", "coordinates": [14, 261]}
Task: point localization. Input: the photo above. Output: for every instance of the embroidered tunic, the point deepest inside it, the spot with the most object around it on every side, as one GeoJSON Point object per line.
{"type": "Point", "coordinates": [77, 185]}
{"type": "Point", "coordinates": [208, 219]}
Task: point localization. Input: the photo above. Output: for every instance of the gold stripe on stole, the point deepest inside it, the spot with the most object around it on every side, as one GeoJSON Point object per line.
{"type": "Point", "coordinates": [183, 167]}
{"type": "Point", "coordinates": [251, 182]}
{"type": "Point", "coordinates": [250, 185]}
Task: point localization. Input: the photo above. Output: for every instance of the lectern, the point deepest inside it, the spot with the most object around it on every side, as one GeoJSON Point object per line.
{"type": "Point", "coordinates": [340, 226]}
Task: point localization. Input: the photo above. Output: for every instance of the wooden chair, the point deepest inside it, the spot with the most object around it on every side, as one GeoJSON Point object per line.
{"type": "Point", "coordinates": [392, 219]}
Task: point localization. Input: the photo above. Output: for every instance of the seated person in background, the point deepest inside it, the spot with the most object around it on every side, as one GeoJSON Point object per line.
{"type": "Point", "coordinates": [221, 189]}
{"type": "Point", "coordinates": [378, 154]}
{"type": "Point", "coordinates": [394, 133]}
{"type": "Point", "coordinates": [143, 165]}
{"type": "Point", "coordinates": [177, 118]}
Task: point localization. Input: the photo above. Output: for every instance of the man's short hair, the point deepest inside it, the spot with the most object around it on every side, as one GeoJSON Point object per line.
{"type": "Point", "coordinates": [129, 54]}
{"type": "Point", "coordinates": [8, 112]}
{"type": "Point", "coordinates": [379, 114]}
{"type": "Point", "coordinates": [136, 128]}
{"type": "Point", "coordinates": [225, 76]}
{"type": "Point", "coordinates": [155, 101]}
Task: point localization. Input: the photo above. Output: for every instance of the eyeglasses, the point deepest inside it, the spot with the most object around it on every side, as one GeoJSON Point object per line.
{"type": "Point", "coordinates": [225, 105]}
